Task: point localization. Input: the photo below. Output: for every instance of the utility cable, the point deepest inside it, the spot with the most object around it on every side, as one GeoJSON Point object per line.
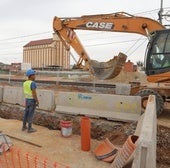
{"type": "Point", "coordinates": [137, 47]}
{"type": "Point", "coordinates": [99, 44]}
{"type": "Point", "coordinates": [136, 42]}
{"type": "Point", "coordinates": [13, 38]}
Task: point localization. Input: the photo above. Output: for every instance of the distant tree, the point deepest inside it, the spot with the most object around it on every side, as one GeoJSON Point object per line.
{"type": "Point", "coordinates": [140, 63]}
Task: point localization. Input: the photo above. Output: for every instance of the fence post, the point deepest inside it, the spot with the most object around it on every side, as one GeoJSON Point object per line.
{"type": "Point", "coordinates": [19, 158]}
{"type": "Point", "coordinates": [55, 164]}
{"type": "Point", "coordinates": [35, 161]}
{"type": "Point", "coordinates": [5, 157]}
{"type": "Point", "coordinates": [45, 163]}
{"type": "Point", "coordinates": [12, 157]}
{"type": "Point", "coordinates": [27, 159]}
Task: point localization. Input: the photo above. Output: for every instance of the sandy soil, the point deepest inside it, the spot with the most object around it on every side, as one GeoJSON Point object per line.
{"type": "Point", "coordinates": [54, 146]}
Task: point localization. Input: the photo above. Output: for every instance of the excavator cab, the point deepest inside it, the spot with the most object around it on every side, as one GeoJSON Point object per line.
{"type": "Point", "coordinates": [157, 60]}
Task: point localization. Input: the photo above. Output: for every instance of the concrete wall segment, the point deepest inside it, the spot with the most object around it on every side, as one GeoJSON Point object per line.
{"type": "Point", "coordinates": [102, 105]}
{"type": "Point", "coordinates": [14, 95]}
{"type": "Point", "coordinates": [46, 100]}
{"type": "Point", "coordinates": [123, 89]}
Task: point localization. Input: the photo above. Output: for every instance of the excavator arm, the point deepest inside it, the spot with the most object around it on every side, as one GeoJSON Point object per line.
{"type": "Point", "coordinates": [69, 37]}
{"type": "Point", "coordinates": [117, 22]}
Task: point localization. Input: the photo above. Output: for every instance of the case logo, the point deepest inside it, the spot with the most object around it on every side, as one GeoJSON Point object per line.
{"type": "Point", "coordinates": [100, 25]}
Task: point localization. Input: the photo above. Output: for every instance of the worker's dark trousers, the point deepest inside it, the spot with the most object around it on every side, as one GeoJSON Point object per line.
{"type": "Point", "coordinates": [30, 105]}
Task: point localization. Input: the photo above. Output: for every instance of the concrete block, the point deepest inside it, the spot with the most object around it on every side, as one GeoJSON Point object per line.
{"type": "Point", "coordinates": [14, 95]}
{"type": "Point", "coordinates": [117, 107]}
{"type": "Point", "coordinates": [123, 89]}
{"type": "Point", "coordinates": [1, 94]}
{"type": "Point", "coordinates": [145, 154]}
{"type": "Point", "coordinates": [46, 99]}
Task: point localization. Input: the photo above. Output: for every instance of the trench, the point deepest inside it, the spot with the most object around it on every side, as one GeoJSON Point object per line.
{"type": "Point", "coordinates": [116, 132]}
{"type": "Point", "coordinates": [99, 126]}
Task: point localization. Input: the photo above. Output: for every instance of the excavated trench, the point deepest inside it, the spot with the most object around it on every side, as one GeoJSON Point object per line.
{"type": "Point", "coordinates": [116, 132]}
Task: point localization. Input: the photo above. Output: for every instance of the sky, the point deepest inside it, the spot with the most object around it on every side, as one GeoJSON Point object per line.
{"type": "Point", "coordinates": [22, 21]}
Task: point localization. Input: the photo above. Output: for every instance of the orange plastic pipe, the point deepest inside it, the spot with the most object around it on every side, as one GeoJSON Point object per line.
{"type": "Point", "coordinates": [85, 133]}
{"type": "Point", "coordinates": [125, 153]}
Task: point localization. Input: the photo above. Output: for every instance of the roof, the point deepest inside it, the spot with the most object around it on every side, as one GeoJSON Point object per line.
{"type": "Point", "coordinates": [39, 42]}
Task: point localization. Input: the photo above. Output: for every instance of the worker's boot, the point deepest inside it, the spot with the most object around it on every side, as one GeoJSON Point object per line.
{"type": "Point", "coordinates": [24, 127]}
{"type": "Point", "coordinates": [30, 129]}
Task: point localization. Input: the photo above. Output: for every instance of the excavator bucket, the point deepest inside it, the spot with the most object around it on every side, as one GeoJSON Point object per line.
{"type": "Point", "coordinates": [109, 69]}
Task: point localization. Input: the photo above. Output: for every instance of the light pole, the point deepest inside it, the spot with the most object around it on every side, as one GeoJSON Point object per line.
{"type": "Point", "coordinates": [160, 13]}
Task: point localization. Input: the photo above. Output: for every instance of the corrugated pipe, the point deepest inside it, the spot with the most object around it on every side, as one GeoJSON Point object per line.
{"type": "Point", "coordinates": [125, 152]}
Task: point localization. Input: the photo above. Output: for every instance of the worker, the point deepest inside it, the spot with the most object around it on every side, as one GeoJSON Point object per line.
{"type": "Point", "coordinates": [31, 101]}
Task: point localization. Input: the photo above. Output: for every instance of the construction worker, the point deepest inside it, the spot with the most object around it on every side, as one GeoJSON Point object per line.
{"type": "Point", "coordinates": [31, 100]}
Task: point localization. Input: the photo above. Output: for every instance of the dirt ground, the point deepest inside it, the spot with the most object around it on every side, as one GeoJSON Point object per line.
{"type": "Point", "coordinates": [68, 150]}
{"type": "Point", "coordinates": [51, 140]}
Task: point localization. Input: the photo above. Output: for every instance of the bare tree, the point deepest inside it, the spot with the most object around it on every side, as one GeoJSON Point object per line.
{"type": "Point", "coordinates": [140, 63]}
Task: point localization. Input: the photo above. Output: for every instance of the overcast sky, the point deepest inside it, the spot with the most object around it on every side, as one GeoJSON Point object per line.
{"type": "Point", "coordinates": [25, 20]}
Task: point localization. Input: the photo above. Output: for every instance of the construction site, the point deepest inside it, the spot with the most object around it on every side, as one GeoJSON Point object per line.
{"type": "Point", "coordinates": [110, 114]}
{"type": "Point", "coordinates": [50, 147]}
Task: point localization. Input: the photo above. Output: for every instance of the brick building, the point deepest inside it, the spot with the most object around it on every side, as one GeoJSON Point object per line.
{"type": "Point", "coordinates": [4, 66]}
{"type": "Point", "coordinates": [130, 67]}
{"type": "Point", "coordinates": [46, 53]}
{"type": "Point", "coordinates": [15, 67]}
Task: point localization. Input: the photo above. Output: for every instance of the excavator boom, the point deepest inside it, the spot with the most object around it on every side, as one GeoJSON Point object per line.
{"type": "Point", "coordinates": [116, 22]}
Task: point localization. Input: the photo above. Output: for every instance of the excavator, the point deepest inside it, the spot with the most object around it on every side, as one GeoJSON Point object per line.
{"type": "Point", "coordinates": [157, 56]}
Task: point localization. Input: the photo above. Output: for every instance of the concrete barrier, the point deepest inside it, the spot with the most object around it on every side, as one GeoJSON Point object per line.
{"type": "Point", "coordinates": [117, 107]}
{"type": "Point", "coordinates": [145, 154]}
{"type": "Point", "coordinates": [123, 89]}
{"type": "Point", "coordinates": [46, 100]}
{"type": "Point", "coordinates": [14, 95]}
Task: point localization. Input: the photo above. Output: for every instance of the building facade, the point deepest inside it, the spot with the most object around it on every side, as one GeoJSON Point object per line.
{"type": "Point", "coordinates": [46, 53]}
{"type": "Point", "coordinates": [129, 67]}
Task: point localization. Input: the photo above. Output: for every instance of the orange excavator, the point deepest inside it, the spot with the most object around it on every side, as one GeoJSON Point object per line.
{"type": "Point", "coordinates": [157, 58]}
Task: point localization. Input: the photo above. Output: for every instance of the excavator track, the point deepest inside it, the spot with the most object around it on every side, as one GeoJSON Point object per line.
{"type": "Point", "coordinates": [109, 69]}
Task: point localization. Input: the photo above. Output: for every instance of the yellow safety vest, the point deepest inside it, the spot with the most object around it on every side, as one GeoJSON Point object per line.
{"type": "Point", "coordinates": [27, 89]}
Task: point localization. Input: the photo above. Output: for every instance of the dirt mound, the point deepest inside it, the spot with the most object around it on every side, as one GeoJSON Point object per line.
{"type": "Point", "coordinates": [123, 77]}
{"type": "Point", "coordinates": [130, 77]}
{"type": "Point", "coordinates": [119, 136]}
{"type": "Point", "coordinates": [163, 145]}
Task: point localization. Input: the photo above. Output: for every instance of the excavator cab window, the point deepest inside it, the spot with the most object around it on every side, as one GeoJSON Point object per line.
{"type": "Point", "coordinates": [158, 53]}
